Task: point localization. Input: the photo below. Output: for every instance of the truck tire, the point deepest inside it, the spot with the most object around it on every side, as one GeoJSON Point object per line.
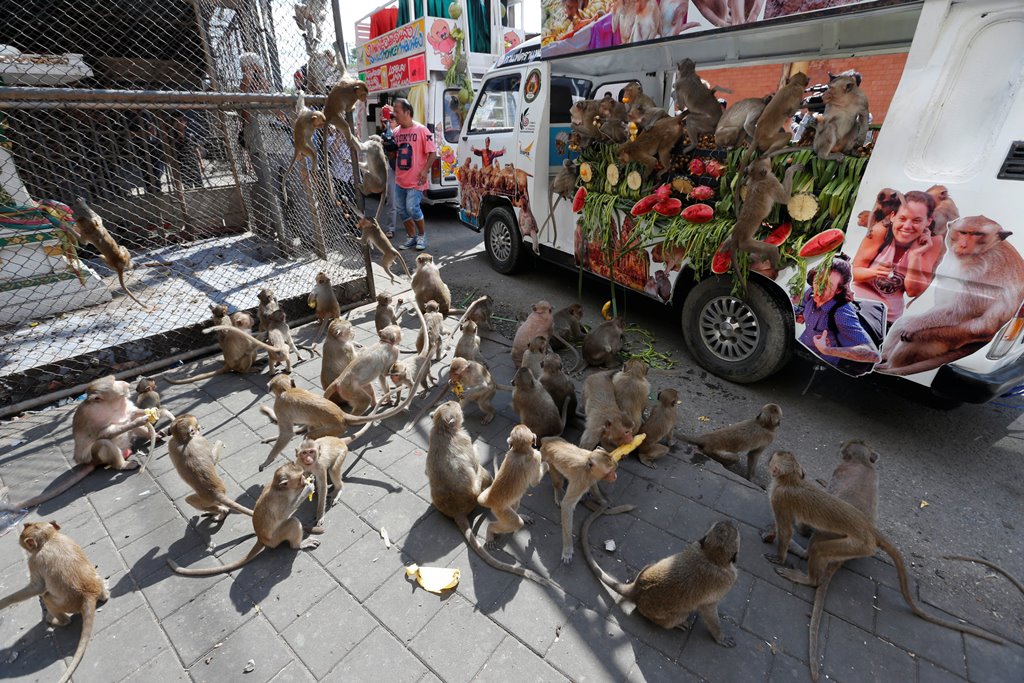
{"type": "Point", "coordinates": [743, 339]}
{"type": "Point", "coordinates": [502, 240]}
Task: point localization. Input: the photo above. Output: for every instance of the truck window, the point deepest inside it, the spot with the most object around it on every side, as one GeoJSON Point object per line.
{"type": "Point", "coordinates": [565, 92]}
{"type": "Point", "coordinates": [452, 123]}
{"type": "Point", "coordinates": [614, 88]}
{"type": "Point", "coordinates": [496, 108]}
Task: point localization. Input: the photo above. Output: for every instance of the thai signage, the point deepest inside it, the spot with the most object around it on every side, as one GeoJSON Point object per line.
{"type": "Point", "coordinates": [396, 59]}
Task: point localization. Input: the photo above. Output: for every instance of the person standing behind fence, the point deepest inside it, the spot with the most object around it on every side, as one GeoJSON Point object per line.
{"type": "Point", "coordinates": [341, 171]}
{"type": "Point", "coordinates": [390, 148]}
{"type": "Point", "coordinates": [413, 160]}
{"type": "Point", "coordinates": [186, 151]}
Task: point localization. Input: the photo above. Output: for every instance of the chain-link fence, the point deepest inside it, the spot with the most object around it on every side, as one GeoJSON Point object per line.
{"type": "Point", "coordinates": [172, 121]}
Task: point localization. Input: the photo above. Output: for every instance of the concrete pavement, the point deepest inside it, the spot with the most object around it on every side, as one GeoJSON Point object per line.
{"type": "Point", "coordinates": [345, 611]}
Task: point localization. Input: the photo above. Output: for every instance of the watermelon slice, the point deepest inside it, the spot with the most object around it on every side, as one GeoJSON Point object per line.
{"type": "Point", "coordinates": [698, 213]}
{"type": "Point", "coordinates": [722, 261]}
{"type": "Point", "coordinates": [579, 199]}
{"type": "Point", "coordinates": [779, 234]}
{"type": "Point", "coordinates": [823, 242]}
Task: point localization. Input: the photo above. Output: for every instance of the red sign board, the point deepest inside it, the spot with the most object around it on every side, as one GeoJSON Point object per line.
{"type": "Point", "coordinates": [400, 73]}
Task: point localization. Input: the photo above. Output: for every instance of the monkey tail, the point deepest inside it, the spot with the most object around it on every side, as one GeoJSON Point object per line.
{"type": "Point", "coordinates": [458, 325]}
{"type": "Point", "coordinates": [196, 378]}
{"type": "Point", "coordinates": [504, 387]}
{"type": "Point", "coordinates": [152, 447]}
{"type": "Point", "coordinates": [120, 277]}
{"type": "Point", "coordinates": [81, 473]}
{"type": "Point", "coordinates": [237, 507]}
{"type": "Point", "coordinates": [816, 611]}
{"type": "Point", "coordinates": [88, 617]}
{"type": "Point", "coordinates": [474, 543]}
{"type": "Point", "coordinates": [569, 346]}
{"type": "Point", "coordinates": [991, 565]}
{"type": "Point", "coordinates": [362, 430]}
{"type": "Point", "coordinates": [901, 569]}
{"type": "Point", "coordinates": [223, 569]}
{"type": "Point", "coordinates": [623, 589]}
{"type": "Point", "coordinates": [565, 413]}
{"type": "Point", "coordinates": [269, 412]}
{"type": "Point", "coordinates": [236, 330]}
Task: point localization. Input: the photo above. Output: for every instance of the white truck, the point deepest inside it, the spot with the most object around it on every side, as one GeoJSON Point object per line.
{"type": "Point", "coordinates": [930, 282]}
{"type": "Point", "coordinates": [412, 61]}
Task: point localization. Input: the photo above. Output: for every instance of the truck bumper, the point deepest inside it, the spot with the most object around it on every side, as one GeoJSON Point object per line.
{"type": "Point", "coordinates": [445, 194]}
{"type": "Point", "coordinates": [973, 387]}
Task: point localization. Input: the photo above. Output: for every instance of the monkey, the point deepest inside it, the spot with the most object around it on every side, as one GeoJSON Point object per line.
{"type": "Point", "coordinates": [374, 170]}
{"type": "Point", "coordinates": [606, 424]}
{"type": "Point", "coordinates": [632, 389]}
{"type": "Point", "coordinates": [854, 480]}
{"type": "Point", "coordinates": [468, 346]}
{"type": "Point", "coordinates": [669, 590]}
{"type": "Point", "coordinates": [539, 322]}
{"type": "Point", "coordinates": [533, 356]}
{"type": "Point", "coordinates": [653, 147]}
{"type": "Point", "coordinates": [479, 311]}
{"type": "Point", "coordinates": [651, 287]}
{"type": "Point", "coordinates": [527, 221]}
{"type": "Point", "coordinates": [645, 116]}
{"type": "Point", "coordinates": [738, 122]}
{"type": "Point", "coordinates": [614, 131]}
{"type": "Point", "coordinates": [945, 210]}
{"type": "Point", "coordinates": [239, 350]}
{"type": "Point", "coordinates": [844, 125]}
{"type": "Point", "coordinates": [566, 324]}
{"type": "Point", "coordinates": [581, 468]}
{"type": "Point", "coordinates": [372, 234]}
{"type": "Point", "coordinates": [769, 133]}
{"type": "Point", "coordinates": [268, 304]}
{"type": "Point", "coordinates": [662, 286]}
{"type": "Point", "coordinates": [323, 299]}
{"type": "Point", "coordinates": [749, 437]}
{"type": "Point", "coordinates": [148, 398]}
{"type": "Point", "coordinates": [564, 183]}
{"type": "Point", "coordinates": [353, 385]}
{"type": "Point", "coordinates": [534, 405]}
{"type": "Point", "coordinates": [984, 278]}
{"type": "Point", "coordinates": [338, 350]}
{"type": "Point", "coordinates": [61, 574]}
{"type": "Point", "coordinates": [521, 469]}
{"type": "Point", "coordinates": [582, 117]}
{"type": "Point", "coordinates": [340, 101]}
{"type": "Point", "coordinates": [323, 458]}
{"type": "Point", "coordinates": [602, 345]}
{"type": "Point", "coordinates": [661, 423]}
{"type": "Point", "coordinates": [763, 191]}
{"type": "Point", "coordinates": [703, 109]}
{"type": "Point", "coordinates": [427, 285]}
{"type": "Point", "coordinates": [557, 384]}
{"type": "Point", "coordinates": [431, 333]}
{"type": "Point", "coordinates": [404, 374]}
{"type": "Point", "coordinates": [306, 123]}
{"type": "Point", "coordinates": [794, 500]}
{"type": "Point", "coordinates": [473, 382]}
{"type": "Point", "coordinates": [293, 405]}
{"type": "Point", "coordinates": [887, 203]}
{"type": "Point", "coordinates": [384, 314]}
{"type": "Point", "coordinates": [279, 335]}
{"type": "Point", "coordinates": [611, 110]}
{"type": "Point", "coordinates": [196, 463]}
{"type": "Point", "coordinates": [273, 520]}
{"type": "Point", "coordinates": [457, 479]}
{"type": "Point", "coordinates": [91, 230]}
{"type": "Point", "coordinates": [633, 96]}
{"type": "Point", "coordinates": [103, 428]}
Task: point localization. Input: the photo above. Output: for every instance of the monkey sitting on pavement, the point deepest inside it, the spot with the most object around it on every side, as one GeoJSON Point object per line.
{"type": "Point", "coordinates": [427, 285]}
{"type": "Point", "coordinates": [339, 350]}
{"type": "Point", "coordinates": [521, 469]}
{"type": "Point", "coordinates": [602, 344]}
{"type": "Point", "coordinates": [606, 424]}
{"type": "Point", "coordinates": [148, 398]}
{"type": "Point", "coordinates": [196, 463]}
{"type": "Point", "coordinates": [632, 389]}
{"type": "Point", "coordinates": [273, 520]}
{"type": "Point", "coordinates": [749, 437]}
{"type": "Point", "coordinates": [534, 405]}
{"type": "Point", "coordinates": [669, 590]}
{"type": "Point", "coordinates": [385, 314]}
{"type": "Point", "coordinates": [468, 346]}
{"type": "Point", "coordinates": [582, 469]}
{"type": "Point", "coordinates": [661, 423]}
{"type": "Point", "coordinates": [68, 583]}
{"type": "Point", "coordinates": [323, 458]}
{"type": "Point", "coordinates": [473, 382]}
{"type": "Point", "coordinates": [430, 334]}
{"type": "Point", "coordinates": [533, 356]}
{"type": "Point", "coordinates": [404, 374]}
{"type": "Point", "coordinates": [795, 501]}
{"type": "Point", "coordinates": [457, 479]}
{"type": "Point", "coordinates": [558, 384]}
{"type": "Point", "coordinates": [238, 350]}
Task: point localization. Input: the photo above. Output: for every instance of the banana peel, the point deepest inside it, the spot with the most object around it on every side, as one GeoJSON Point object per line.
{"type": "Point", "coordinates": [606, 310]}
{"type": "Point", "coordinates": [457, 389]}
{"type": "Point", "coordinates": [622, 451]}
{"type": "Point", "coordinates": [152, 414]}
{"type": "Point", "coordinates": [433, 579]}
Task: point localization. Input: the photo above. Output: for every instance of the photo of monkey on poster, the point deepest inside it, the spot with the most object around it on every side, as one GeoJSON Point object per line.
{"type": "Point", "coordinates": [948, 285]}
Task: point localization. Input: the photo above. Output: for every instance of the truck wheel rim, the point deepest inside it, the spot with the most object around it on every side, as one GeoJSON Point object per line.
{"type": "Point", "coordinates": [729, 329]}
{"type": "Point", "coordinates": [501, 241]}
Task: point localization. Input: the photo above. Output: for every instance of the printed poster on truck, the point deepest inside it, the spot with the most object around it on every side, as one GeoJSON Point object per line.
{"type": "Point", "coordinates": [925, 283]}
{"type": "Point", "coordinates": [398, 58]}
{"type": "Point", "coordinates": [579, 25]}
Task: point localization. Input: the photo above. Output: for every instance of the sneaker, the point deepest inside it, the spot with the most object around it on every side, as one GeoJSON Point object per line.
{"type": "Point", "coordinates": [421, 243]}
{"type": "Point", "coordinates": [408, 244]}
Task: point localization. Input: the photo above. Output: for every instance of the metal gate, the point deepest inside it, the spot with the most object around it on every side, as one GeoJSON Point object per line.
{"type": "Point", "coordinates": [173, 122]}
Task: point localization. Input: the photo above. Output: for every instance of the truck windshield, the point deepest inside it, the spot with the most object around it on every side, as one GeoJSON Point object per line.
{"type": "Point", "coordinates": [496, 108]}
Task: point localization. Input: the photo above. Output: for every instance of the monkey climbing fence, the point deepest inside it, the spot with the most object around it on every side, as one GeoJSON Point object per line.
{"type": "Point", "coordinates": [173, 122]}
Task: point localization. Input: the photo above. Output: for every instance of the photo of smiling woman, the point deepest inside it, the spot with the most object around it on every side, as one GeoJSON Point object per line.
{"type": "Point", "coordinates": [838, 329]}
{"type": "Point", "coordinates": [899, 255]}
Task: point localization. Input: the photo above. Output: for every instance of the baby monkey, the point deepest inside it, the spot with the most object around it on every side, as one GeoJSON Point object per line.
{"type": "Point", "coordinates": [196, 463]}
{"type": "Point", "coordinates": [521, 469]}
{"type": "Point", "coordinates": [307, 122]}
{"type": "Point", "coordinates": [148, 398]}
{"type": "Point", "coordinates": [660, 424]}
{"type": "Point", "coordinates": [749, 437]}
{"type": "Point", "coordinates": [90, 229]}
{"type": "Point", "coordinates": [323, 458]}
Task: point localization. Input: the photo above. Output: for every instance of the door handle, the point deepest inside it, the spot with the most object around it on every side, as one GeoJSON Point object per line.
{"type": "Point", "coordinates": [465, 137]}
